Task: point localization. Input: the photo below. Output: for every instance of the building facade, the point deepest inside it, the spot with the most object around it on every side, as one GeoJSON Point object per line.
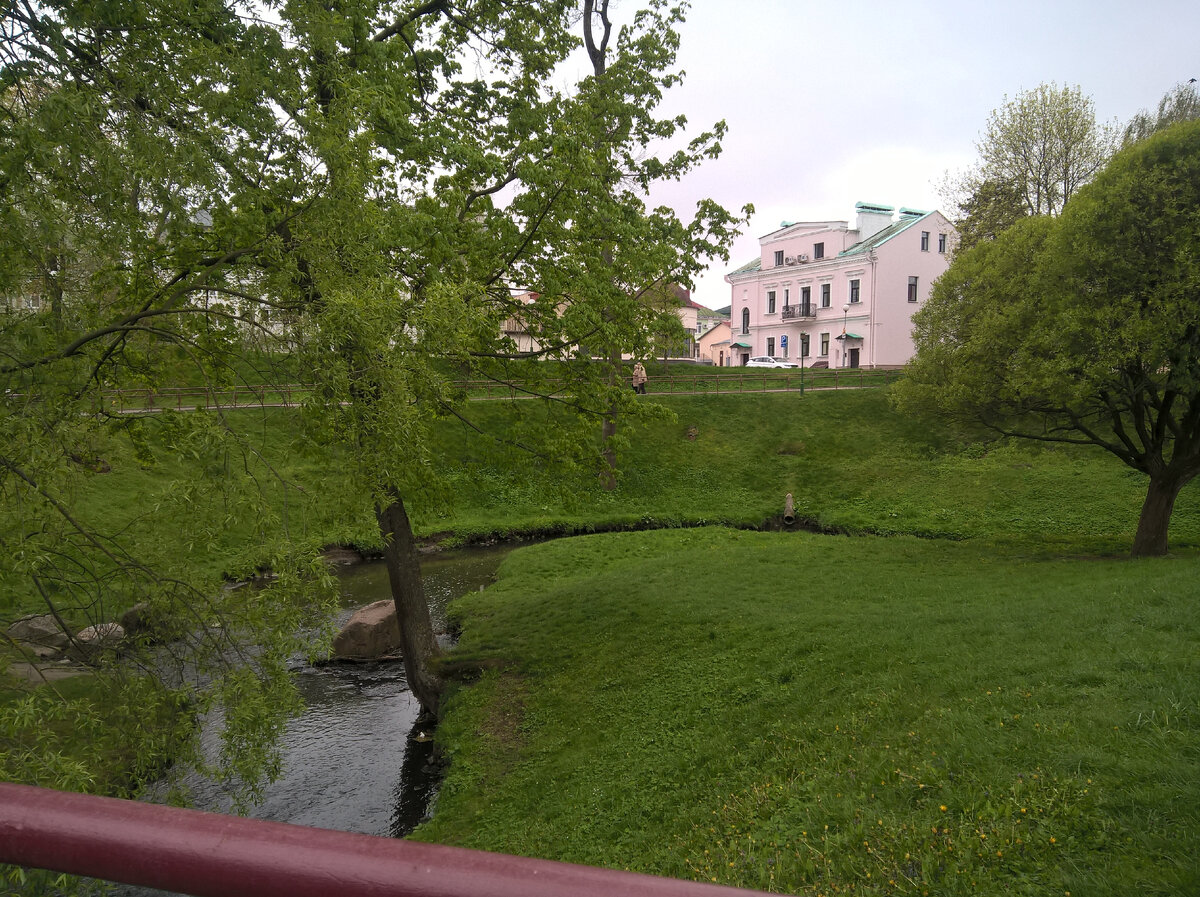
{"type": "Point", "coordinates": [714, 345]}
{"type": "Point", "coordinates": [697, 320]}
{"type": "Point", "coordinates": [829, 294]}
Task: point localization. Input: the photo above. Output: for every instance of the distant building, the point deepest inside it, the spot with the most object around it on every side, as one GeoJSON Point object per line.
{"type": "Point", "coordinates": [821, 290]}
{"type": "Point", "coordinates": [697, 320]}
{"type": "Point", "coordinates": [713, 345]}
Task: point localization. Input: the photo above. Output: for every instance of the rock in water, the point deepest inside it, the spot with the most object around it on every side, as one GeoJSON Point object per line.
{"type": "Point", "coordinates": [372, 632]}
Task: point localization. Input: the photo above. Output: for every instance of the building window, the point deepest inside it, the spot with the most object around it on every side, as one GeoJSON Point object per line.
{"type": "Point", "coordinates": [941, 243]}
{"type": "Point", "coordinates": [745, 320]}
{"type": "Point", "coordinates": [854, 291]}
{"type": "Point", "coordinates": [818, 250]}
{"type": "Point", "coordinates": [770, 302]}
{"type": "Point", "coordinates": [771, 345]}
{"type": "Point", "coordinates": [924, 241]}
{"type": "Point", "coordinates": [803, 345]}
{"type": "Point", "coordinates": [824, 344]}
{"type": "Point", "coordinates": [778, 257]}
{"type": "Point", "coordinates": [825, 295]}
{"type": "Point", "coordinates": [786, 294]}
{"type": "Point", "coordinates": [912, 289]}
{"type": "Point", "coordinates": [806, 300]}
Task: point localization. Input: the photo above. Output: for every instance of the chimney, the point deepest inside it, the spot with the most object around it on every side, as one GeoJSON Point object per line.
{"type": "Point", "coordinates": [872, 218]}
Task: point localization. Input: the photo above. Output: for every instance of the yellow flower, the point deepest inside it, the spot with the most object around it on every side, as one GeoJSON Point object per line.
{"type": "Point", "coordinates": [1053, 840]}
{"type": "Point", "coordinates": [942, 808]}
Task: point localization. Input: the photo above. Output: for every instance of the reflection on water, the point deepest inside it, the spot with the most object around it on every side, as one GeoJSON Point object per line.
{"type": "Point", "coordinates": [353, 760]}
{"type": "Point", "coordinates": [343, 757]}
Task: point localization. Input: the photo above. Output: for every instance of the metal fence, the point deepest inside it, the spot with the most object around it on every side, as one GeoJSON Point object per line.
{"type": "Point", "coordinates": [711, 381]}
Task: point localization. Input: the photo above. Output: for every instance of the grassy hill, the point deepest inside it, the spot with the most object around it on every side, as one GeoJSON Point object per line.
{"type": "Point", "coordinates": [828, 715]}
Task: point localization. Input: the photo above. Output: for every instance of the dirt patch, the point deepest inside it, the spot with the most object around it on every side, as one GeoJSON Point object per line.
{"type": "Point", "coordinates": [39, 673]}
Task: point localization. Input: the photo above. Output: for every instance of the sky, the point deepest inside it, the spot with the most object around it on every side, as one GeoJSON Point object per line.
{"type": "Point", "coordinates": [832, 103]}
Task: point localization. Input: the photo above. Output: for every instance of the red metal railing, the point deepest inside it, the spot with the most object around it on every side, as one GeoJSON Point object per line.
{"type": "Point", "coordinates": [209, 854]}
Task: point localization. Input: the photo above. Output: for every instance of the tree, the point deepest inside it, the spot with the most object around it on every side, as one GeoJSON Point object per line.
{"type": "Point", "coordinates": [1084, 329]}
{"type": "Point", "coordinates": [385, 175]}
{"type": "Point", "coordinates": [1037, 150]}
{"type": "Point", "coordinates": [989, 207]}
{"type": "Point", "coordinates": [1180, 103]}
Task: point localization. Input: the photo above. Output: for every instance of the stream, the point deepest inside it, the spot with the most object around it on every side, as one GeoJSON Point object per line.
{"type": "Point", "coordinates": [354, 759]}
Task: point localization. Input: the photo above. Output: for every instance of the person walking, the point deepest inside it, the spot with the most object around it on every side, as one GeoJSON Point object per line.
{"type": "Point", "coordinates": [639, 379]}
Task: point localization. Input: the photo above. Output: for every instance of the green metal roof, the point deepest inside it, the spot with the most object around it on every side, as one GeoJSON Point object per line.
{"type": "Point", "coordinates": [742, 345]}
{"type": "Point", "coordinates": [847, 336]}
{"type": "Point", "coordinates": [749, 266]}
{"type": "Point", "coordinates": [908, 218]}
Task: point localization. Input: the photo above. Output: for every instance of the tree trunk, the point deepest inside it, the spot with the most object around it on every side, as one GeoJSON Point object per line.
{"type": "Point", "coordinates": [608, 429]}
{"type": "Point", "coordinates": [1151, 538]}
{"type": "Point", "coordinates": [608, 455]}
{"type": "Point", "coordinates": [412, 610]}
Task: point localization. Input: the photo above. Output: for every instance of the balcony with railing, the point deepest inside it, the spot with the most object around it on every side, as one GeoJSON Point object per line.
{"type": "Point", "coordinates": [795, 312]}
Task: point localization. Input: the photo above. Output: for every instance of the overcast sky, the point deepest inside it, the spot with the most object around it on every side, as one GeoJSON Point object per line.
{"type": "Point", "coordinates": [836, 102]}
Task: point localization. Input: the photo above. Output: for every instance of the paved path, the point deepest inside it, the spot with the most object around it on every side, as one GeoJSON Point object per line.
{"type": "Point", "coordinates": [169, 401]}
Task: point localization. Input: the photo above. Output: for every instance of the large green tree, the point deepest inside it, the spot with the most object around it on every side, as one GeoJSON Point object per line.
{"type": "Point", "coordinates": [363, 186]}
{"type": "Point", "coordinates": [1085, 328]}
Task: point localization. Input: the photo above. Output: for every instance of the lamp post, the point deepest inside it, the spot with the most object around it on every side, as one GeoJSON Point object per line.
{"type": "Point", "coordinates": [803, 352]}
{"type": "Point", "coordinates": [845, 318]}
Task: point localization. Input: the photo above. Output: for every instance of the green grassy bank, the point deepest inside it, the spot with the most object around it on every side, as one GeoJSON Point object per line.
{"type": "Point", "coordinates": [824, 715]}
{"type": "Point", "coordinates": [850, 461]}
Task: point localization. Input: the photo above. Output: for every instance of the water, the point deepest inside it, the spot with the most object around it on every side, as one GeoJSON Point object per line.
{"type": "Point", "coordinates": [356, 759]}
{"type": "Point", "coordinates": [344, 757]}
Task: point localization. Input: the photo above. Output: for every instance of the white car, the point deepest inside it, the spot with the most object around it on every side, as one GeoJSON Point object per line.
{"type": "Point", "coordinates": [766, 361]}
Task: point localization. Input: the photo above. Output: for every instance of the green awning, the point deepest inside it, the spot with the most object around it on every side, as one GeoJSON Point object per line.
{"type": "Point", "coordinates": [741, 345]}
{"type": "Point", "coordinates": [848, 336]}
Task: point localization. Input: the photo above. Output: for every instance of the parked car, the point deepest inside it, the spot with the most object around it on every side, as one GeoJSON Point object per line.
{"type": "Point", "coordinates": [766, 361]}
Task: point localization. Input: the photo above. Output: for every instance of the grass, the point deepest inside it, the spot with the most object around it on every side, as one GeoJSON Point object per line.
{"type": "Point", "coordinates": [820, 715]}
{"type": "Point", "coordinates": [704, 703]}
{"type": "Point", "coordinates": [852, 464]}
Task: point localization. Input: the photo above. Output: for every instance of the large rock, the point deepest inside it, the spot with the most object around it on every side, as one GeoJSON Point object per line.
{"type": "Point", "coordinates": [90, 642]}
{"type": "Point", "coordinates": [372, 632]}
{"type": "Point", "coordinates": [40, 631]}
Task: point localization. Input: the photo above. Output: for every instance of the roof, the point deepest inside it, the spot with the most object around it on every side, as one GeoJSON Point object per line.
{"type": "Point", "coordinates": [748, 267]}
{"type": "Point", "coordinates": [705, 312]}
{"type": "Point", "coordinates": [741, 345]}
{"type": "Point", "coordinates": [908, 217]}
